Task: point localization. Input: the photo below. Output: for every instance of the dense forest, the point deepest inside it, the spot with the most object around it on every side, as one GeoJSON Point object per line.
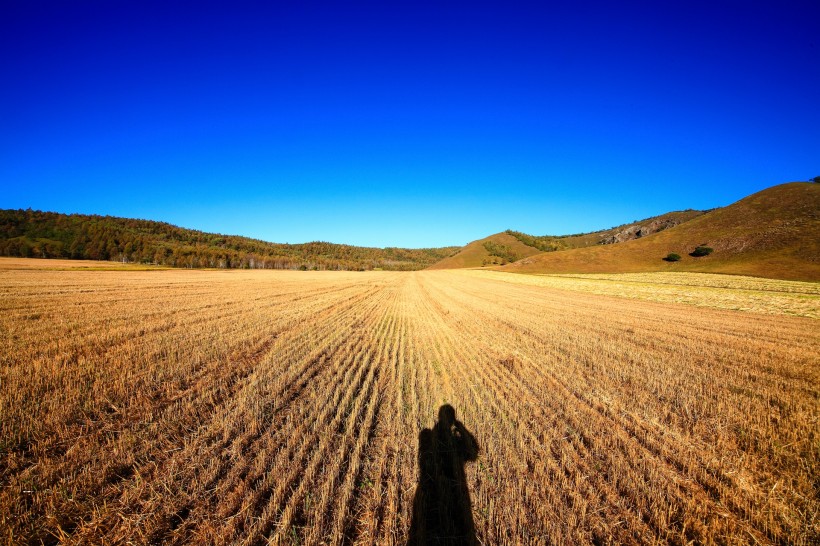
{"type": "Point", "coordinates": [36, 234]}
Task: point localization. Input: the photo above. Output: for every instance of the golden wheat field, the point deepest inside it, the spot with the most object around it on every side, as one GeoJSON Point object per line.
{"type": "Point", "coordinates": [259, 407]}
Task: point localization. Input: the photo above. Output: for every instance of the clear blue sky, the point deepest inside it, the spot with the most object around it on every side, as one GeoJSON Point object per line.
{"type": "Point", "coordinates": [403, 124]}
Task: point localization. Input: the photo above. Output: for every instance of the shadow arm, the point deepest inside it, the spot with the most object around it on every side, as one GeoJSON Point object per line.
{"type": "Point", "coordinates": [468, 444]}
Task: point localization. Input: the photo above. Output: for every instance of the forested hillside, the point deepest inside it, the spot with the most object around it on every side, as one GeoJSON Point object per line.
{"type": "Point", "coordinates": [29, 233]}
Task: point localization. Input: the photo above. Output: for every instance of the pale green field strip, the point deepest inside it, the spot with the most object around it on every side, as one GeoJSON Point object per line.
{"type": "Point", "coordinates": [751, 294]}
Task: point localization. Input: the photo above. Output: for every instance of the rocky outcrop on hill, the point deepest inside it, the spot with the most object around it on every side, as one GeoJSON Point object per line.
{"type": "Point", "coordinates": [636, 231]}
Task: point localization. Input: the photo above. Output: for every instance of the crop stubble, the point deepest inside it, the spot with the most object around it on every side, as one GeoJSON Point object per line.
{"type": "Point", "coordinates": [284, 407]}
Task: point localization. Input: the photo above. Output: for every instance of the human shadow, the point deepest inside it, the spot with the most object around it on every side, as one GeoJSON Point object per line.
{"type": "Point", "coordinates": [442, 511]}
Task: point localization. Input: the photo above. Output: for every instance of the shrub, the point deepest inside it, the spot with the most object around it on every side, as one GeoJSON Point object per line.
{"type": "Point", "coordinates": [672, 257]}
{"type": "Point", "coordinates": [701, 251]}
{"type": "Point", "coordinates": [501, 251]}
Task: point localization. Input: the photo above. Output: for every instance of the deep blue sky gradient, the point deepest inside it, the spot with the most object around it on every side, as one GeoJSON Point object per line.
{"type": "Point", "coordinates": [403, 124]}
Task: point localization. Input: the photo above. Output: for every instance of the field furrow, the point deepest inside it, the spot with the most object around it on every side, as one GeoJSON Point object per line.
{"type": "Point", "coordinates": [258, 407]}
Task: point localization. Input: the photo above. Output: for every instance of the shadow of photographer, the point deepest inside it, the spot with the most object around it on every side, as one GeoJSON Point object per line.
{"type": "Point", "coordinates": [442, 511]}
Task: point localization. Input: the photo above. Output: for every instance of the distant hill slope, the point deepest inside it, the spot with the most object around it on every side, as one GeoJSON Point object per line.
{"type": "Point", "coordinates": [510, 246]}
{"type": "Point", "coordinates": [497, 249]}
{"type": "Point", "coordinates": [617, 234]}
{"type": "Point", "coordinates": [773, 233]}
{"type": "Point", "coordinates": [27, 233]}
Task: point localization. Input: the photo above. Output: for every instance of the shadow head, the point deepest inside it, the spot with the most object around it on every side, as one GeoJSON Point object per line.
{"type": "Point", "coordinates": [447, 415]}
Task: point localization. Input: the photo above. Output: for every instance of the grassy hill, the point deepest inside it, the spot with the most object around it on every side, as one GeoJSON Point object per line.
{"type": "Point", "coordinates": [28, 233]}
{"type": "Point", "coordinates": [772, 233]}
{"type": "Point", "coordinates": [509, 246]}
{"type": "Point", "coordinates": [497, 249]}
{"type": "Point", "coordinates": [617, 234]}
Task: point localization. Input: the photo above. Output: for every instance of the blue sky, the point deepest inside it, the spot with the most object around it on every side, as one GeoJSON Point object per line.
{"type": "Point", "coordinates": [403, 124]}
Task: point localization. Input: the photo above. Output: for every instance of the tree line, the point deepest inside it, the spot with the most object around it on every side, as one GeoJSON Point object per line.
{"type": "Point", "coordinates": [37, 234]}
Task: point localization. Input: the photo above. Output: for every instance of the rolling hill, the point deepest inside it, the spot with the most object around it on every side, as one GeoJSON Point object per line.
{"type": "Point", "coordinates": [772, 233]}
{"type": "Point", "coordinates": [510, 246]}
{"type": "Point", "coordinates": [497, 249]}
{"type": "Point", "coordinates": [30, 233]}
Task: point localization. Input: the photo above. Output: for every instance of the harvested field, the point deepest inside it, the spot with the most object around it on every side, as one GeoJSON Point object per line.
{"type": "Point", "coordinates": [254, 407]}
{"type": "Point", "coordinates": [741, 293]}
